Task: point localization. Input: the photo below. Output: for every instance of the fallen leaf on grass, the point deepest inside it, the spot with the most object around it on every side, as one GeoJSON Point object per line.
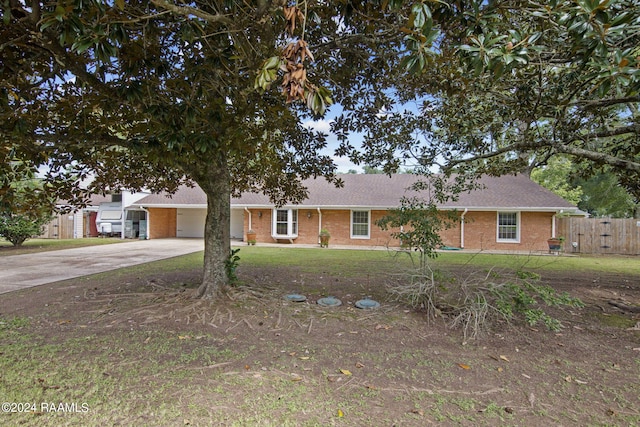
{"type": "Point", "coordinates": [417, 412]}
{"type": "Point", "coordinates": [345, 372]}
{"type": "Point", "coordinates": [184, 337]}
{"type": "Point", "coordinates": [340, 413]}
{"type": "Point", "coordinates": [359, 365]}
{"type": "Point", "coordinates": [504, 358]}
{"type": "Point", "coordinates": [500, 369]}
{"type": "Point", "coordinates": [463, 366]}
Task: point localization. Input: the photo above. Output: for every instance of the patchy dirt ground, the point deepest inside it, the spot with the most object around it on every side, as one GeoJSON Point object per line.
{"type": "Point", "coordinates": [254, 358]}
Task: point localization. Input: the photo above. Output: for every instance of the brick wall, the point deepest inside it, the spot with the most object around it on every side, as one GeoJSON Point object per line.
{"type": "Point", "coordinates": [162, 223]}
{"type": "Point", "coordinates": [337, 222]}
{"type": "Point", "coordinates": [480, 230]}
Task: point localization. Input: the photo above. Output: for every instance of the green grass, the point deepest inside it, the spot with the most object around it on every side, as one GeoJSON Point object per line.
{"type": "Point", "coordinates": [608, 264]}
{"type": "Point", "coordinates": [153, 377]}
{"type": "Point", "coordinates": [359, 263]}
{"type": "Point", "coordinates": [351, 262]}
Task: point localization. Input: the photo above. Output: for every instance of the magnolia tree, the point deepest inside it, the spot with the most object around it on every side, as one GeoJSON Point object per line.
{"type": "Point", "coordinates": [157, 93]}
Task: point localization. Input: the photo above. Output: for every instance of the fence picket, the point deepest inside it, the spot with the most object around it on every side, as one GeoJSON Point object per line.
{"type": "Point", "coordinates": [600, 235]}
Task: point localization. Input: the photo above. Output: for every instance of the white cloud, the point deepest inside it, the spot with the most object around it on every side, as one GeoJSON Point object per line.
{"type": "Point", "coordinates": [323, 126]}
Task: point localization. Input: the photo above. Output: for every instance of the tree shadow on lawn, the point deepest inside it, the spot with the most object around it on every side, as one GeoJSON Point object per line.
{"type": "Point", "coordinates": [141, 350]}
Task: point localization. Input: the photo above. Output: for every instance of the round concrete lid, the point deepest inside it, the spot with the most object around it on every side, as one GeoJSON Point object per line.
{"type": "Point", "coordinates": [296, 298]}
{"type": "Point", "coordinates": [367, 303]}
{"type": "Point", "coordinates": [329, 302]}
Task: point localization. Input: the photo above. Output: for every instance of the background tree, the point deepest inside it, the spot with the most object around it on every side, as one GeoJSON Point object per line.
{"type": "Point", "coordinates": [603, 196]}
{"type": "Point", "coordinates": [24, 205]}
{"type": "Point", "coordinates": [556, 176]}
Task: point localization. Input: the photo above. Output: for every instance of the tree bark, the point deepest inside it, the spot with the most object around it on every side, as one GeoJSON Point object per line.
{"type": "Point", "coordinates": [215, 182]}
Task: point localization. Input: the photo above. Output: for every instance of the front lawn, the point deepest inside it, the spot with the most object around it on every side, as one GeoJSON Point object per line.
{"type": "Point", "coordinates": [133, 347]}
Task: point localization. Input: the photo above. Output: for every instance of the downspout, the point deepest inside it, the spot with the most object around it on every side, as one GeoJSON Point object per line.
{"type": "Point", "coordinates": [319, 223]}
{"type": "Point", "coordinates": [249, 212]}
{"type": "Point", "coordinates": [147, 237]}
{"type": "Point", "coordinates": [462, 227]}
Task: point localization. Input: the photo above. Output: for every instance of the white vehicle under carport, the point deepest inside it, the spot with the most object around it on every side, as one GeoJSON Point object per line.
{"type": "Point", "coordinates": [109, 221]}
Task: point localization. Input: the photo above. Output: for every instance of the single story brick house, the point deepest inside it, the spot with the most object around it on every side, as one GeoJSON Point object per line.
{"type": "Point", "coordinates": [509, 213]}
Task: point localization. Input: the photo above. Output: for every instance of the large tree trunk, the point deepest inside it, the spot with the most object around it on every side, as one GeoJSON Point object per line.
{"type": "Point", "coordinates": [215, 182]}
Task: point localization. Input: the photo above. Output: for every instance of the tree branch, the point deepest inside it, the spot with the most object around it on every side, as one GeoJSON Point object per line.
{"type": "Point", "coordinates": [187, 11]}
{"type": "Point", "coordinates": [599, 103]}
{"type": "Point", "coordinates": [634, 129]}
{"type": "Point", "coordinates": [602, 158]}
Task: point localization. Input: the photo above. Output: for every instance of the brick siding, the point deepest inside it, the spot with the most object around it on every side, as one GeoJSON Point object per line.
{"type": "Point", "coordinates": [480, 230]}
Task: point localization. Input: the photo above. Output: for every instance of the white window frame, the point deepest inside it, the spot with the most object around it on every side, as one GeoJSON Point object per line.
{"type": "Point", "coordinates": [351, 223]}
{"type": "Point", "coordinates": [292, 224]}
{"type": "Point", "coordinates": [517, 226]}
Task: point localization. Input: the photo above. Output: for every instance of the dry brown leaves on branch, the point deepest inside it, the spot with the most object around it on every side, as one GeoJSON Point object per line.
{"type": "Point", "coordinates": [295, 77]}
{"type": "Point", "coordinates": [291, 16]}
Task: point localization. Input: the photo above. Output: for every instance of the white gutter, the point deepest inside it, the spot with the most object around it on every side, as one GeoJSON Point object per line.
{"type": "Point", "coordinates": [147, 237]}
{"type": "Point", "coordinates": [462, 228]}
{"type": "Point", "coordinates": [249, 212]}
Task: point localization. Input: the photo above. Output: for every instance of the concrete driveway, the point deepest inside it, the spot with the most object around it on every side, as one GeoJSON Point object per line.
{"type": "Point", "coordinates": [24, 271]}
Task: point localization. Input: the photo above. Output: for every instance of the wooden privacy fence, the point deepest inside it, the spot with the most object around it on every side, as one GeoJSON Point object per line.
{"type": "Point", "coordinates": [60, 227]}
{"type": "Point", "coordinates": [600, 235]}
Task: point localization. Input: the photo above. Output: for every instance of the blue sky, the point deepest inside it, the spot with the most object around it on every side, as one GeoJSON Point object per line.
{"type": "Point", "coordinates": [324, 126]}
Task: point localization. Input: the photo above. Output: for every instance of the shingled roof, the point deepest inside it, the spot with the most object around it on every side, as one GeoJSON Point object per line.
{"type": "Point", "coordinates": [373, 191]}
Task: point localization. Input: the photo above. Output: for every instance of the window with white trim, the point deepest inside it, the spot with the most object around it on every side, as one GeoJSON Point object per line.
{"type": "Point", "coordinates": [360, 224]}
{"type": "Point", "coordinates": [508, 227]}
{"type": "Point", "coordinates": [285, 223]}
